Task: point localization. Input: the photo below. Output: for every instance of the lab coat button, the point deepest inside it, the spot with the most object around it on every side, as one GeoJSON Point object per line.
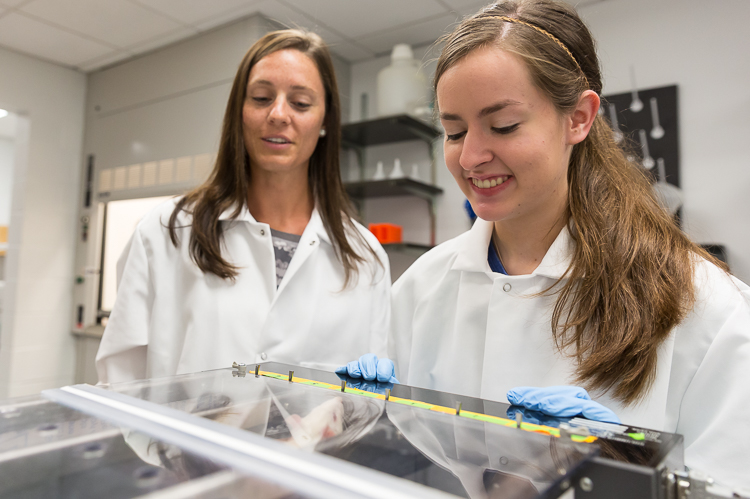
{"type": "Point", "coordinates": [312, 243]}
{"type": "Point", "coordinates": [262, 232]}
{"type": "Point", "coordinates": [263, 356]}
{"type": "Point", "coordinates": [506, 287]}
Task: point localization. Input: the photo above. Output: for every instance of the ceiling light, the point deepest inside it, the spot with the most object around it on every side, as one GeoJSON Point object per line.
{"type": "Point", "coordinates": [3, 113]}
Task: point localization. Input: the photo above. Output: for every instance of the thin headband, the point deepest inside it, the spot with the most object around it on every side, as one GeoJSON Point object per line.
{"type": "Point", "coordinates": [552, 37]}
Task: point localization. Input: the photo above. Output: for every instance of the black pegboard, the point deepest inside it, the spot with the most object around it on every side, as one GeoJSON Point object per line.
{"type": "Point", "coordinates": [667, 147]}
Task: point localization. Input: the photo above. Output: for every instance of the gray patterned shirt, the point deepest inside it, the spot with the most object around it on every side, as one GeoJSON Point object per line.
{"type": "Point", "coordinates": [284, 246]}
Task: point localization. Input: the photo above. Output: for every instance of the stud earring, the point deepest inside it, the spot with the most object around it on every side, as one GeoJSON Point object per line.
{"type": "Point", "coordinates": [322, 132]}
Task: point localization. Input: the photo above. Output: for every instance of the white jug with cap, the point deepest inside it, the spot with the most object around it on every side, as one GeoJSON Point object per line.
{"type": "Point", "coordinates": [402, 87]}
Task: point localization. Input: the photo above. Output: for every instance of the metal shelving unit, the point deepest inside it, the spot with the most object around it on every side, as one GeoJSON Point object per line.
{"type": "Point", "coordinates": [391, 129]}
{"type": "Point", "coordinates": [386, 130]}
{"type": "Point", "coordinates": [404, 186]}
{"type": "Point", "coordinates": [409, 247]}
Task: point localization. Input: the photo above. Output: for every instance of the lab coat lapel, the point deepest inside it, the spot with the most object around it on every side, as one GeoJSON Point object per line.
{"type": "Point", "coordinates": [495, 303]}
{"type": "Point", "coordinates": [261, 244]}
{"type": "Point", "coordinates": [471, 273]}
{"type": "Point", "coordinates": [293, 308]}
{"type": "Point", "coordinates": [558, 257]}
{"type": "Point", "coordinates": [313, 236]}
{"type": "Point", "coordinates": [472, 254]}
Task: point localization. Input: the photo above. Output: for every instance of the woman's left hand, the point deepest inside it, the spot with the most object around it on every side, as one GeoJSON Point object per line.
{"type": "Point", "coordinates": [561, 401]}
{"type": "Point", "coordinates": [370, 368]}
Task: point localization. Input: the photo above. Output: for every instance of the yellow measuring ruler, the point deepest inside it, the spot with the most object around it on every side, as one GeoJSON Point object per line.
{"type": "Point", "coordinates": [534, 428]}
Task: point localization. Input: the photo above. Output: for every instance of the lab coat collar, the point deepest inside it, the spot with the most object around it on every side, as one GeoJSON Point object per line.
{"type": "Point", "coordinates": [315, 223]}
{"type": "Point", "coordinates": [472, 252]}
{"type": "Point", "coordinates": [244, 215]}
{"type": "Point", "coordinates": [559, 256]}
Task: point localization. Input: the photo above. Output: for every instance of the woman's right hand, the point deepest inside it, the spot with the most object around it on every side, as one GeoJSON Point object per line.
{"type": "Point", "coordinates": [370, 368]}
{"type": "Point", "coordinates": [561, 401]}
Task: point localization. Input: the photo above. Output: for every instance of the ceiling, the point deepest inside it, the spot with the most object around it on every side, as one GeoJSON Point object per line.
{"type": "Point", "coordinates": [92, 34]}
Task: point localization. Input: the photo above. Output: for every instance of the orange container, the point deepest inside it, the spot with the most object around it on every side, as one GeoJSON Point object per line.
{"type": "Point", "coordinates": [387, 233]}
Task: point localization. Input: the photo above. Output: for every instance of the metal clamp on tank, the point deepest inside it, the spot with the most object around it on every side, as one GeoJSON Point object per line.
{"type": "Point", "coordinates": [697, 485]}
{"type": "Point", "coordinates": [241, 369]}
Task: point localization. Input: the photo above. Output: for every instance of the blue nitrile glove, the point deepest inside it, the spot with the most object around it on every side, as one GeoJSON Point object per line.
{"type": "Point", "coordinates": [370, 368]}
{"type": "Point", "coordinates": [561, 401]}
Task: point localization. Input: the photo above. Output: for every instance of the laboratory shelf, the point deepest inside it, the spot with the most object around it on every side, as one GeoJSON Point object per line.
{"type": "Point", "coordinates": [387, 130]}
{"type": "Point", "coordinates": [404, 186]}
{"type": "Point", "coordinates": [407, 247]}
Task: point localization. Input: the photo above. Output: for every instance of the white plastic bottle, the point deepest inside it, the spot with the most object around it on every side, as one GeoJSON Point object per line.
{"type": "Point", "coordinates": [397, 172]}
{"type": "Point", "coordinates": [402, 87]}
{"type": "Point", "coordinates": [379, 172]}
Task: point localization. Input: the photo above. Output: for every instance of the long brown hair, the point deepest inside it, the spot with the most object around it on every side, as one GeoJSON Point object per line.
{"type": "Point", "coordinates": [228, 184]}
{"type": "Point", "coordinates": [630, 281]}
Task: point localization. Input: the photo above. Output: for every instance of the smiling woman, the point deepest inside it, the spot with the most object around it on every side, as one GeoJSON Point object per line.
{"type": "Point", "coordinates": [263, 262]}
{"type": "Point", "coordinates": [505, 147]}
{"type": "Point", "coordinates": [572, 274]}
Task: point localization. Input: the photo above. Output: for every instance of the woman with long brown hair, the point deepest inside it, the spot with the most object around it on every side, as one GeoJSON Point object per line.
{"type": "Point", "coordinates": [263, 262]}
{"type": "Point", "coordinates": [572, 278]}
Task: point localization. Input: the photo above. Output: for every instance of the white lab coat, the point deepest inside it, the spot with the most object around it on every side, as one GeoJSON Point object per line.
{"type": "Point", "coordinates": [458, 327]}
{"type": "Point", "coordinates": [171, 318]}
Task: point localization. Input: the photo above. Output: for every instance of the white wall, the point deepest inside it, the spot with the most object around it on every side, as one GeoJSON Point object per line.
{"type": "Point", "coordinates": [171, 102]}
{"type": "Point", "coordinates": [6, 177]}
{"type": "Point", "coordinates": [36, 348]}
{"type": "Point", "coordinates": [168, 103]}
{"type": "Point", "coordinates": [702, 47]}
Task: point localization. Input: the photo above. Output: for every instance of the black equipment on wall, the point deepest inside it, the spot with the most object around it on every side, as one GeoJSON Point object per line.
{"type": "Point", "coordinates": [663, 144]}
{"type": "Point", "coordinates": [667, 146]}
